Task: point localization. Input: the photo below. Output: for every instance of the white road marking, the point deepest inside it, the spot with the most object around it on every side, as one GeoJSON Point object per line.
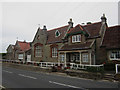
{"type": "Point", "coordinates": [67, 85]}
{"type": "Point", "coordinates": [27, 76]}
{"type": "Point", "coordinates": [7, 71]}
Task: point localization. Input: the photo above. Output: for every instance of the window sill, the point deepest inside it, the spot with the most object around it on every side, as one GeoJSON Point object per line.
{"type": "Point", "coordinates": [115, 59]}
{"type": "Point", "coordinates": [54, 57]}
{"type": "Point", "coordinates": [77, 42]}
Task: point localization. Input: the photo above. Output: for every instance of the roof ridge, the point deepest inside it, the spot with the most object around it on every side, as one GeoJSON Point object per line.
{"type": "Point", "coordinates": [92, 23]}
{"type": "Point", "coordinates": [114, 26]}
{"type": "Point", "coordinates": [23, 42]}
{"type": "Point", "coordinates": [57, 28]}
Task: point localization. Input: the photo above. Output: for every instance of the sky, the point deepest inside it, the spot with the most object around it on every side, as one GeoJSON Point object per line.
{"type": "Point", "coordinates": [20, 19]}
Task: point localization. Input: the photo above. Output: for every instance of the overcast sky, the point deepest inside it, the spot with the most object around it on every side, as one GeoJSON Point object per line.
{"type": "Point", "coordinates": [21, 19]}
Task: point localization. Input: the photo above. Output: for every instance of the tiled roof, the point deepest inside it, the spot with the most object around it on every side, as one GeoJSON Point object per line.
{"type": "Point", "coordinates": [112, 37]}
{"type": "Point", "coordinates": [93, 29]}
{"type": "Point", "coordinates": [51, 34]}
{"type": "Point", "coordinates": [24, 45]}
{"type": "Point", "coordinates": [75, 29]}
{"type": "Point", "coordinates": [83, 46]}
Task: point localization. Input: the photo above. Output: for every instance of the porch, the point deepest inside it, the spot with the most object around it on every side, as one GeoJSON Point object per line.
{"type": "Point", "coordinates": [85, 57]}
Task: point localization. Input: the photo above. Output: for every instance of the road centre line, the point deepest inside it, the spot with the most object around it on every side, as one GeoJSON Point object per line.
{"type": "Point", "coordinates": [27, 76]}
{"type": "Point", "coordinates": [67, 85]}
{"type": "Point", "coordinates": [7, 71]}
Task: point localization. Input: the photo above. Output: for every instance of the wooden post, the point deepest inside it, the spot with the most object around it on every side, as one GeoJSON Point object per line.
{"type": "Point", "coordinates": [80, 57]}
{"type": "Point", "coordinates": [116, 68]}
{"type": "Point", "coordinates": [65, 60]}
{"type": "Point", "coordinates": [90, 59]}
{"type": "Point", "coordinates": [59, 59]}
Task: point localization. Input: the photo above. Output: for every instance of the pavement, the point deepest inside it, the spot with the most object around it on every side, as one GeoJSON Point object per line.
{"type": "Point", "coordinates": [17, 78]}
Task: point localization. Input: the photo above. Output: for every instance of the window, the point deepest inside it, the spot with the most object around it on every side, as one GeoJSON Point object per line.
{"type": "Point", "coordinates": [20, 56]}
{"type": "Point", "coordinates": [85, 58]}
{"type": "Point", "coordinates": [38, 51]}
{"type": "Point", "coordinates": [115, 55]}
{"type": "Point", "coordinates": [57, 33]}
{"type": "Point", "coordinates": [54, 52]}
{"type": "Point", "coordinates": [76, 38]}
{"type": "Point", "coordinates": [75, 57]}
{"type": "Point", "coordinates": [62, 57]}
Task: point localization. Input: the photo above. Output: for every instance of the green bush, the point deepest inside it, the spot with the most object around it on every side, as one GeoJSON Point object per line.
{"type": "Point", "coordinates": [95, 69]}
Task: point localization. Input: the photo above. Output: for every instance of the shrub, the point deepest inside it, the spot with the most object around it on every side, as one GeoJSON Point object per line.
{"type": "Point", "coordinates": [95, 69]}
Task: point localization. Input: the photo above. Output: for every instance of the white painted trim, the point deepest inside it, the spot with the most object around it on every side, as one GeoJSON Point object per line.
{"type": "Point", "coordinates": [65, 60]}
{"type": "Point", "coordinates": [90, 58]}
{"type": "Point", "coordinates": [75, 39]}
{"type": "Point", "coordinates": [116, 66]}
{"type": "Point", "coordinates": [80, 58]}
{"type": "Point", "coordinates": [58, 58]}
{"type": "Point", "coordinates": [56, 32]}
{"type": "Point", "coordinates": [92, 43]}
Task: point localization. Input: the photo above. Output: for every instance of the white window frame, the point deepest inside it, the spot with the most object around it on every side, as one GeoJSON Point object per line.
{"type": "Point", "coordinates": [85, 58]}
{"type": "Point", "coordinates": [54, 52]}
{"type": "Point", "coordinates": [113, 54]}
{"type": "Point", "coordinates": [20, 56]}
{"type": "Point", "coordinates": [56, 32]}
{"type": "Point", "coordinates": [38, 51]}
{"type": "Point", "coordinates": [76, 38]}
{"type": "Point", "coordinates": [62, 57]}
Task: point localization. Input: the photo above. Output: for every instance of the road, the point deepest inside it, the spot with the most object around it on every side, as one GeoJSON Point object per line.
{"type": "Point", "coordinates": [17, 78]}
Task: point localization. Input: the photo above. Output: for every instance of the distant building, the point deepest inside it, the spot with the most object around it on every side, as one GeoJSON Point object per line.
{"type": "Point", "coordinates": [10, 52]}
{"type": "Point", "coordinates": [18, 51]}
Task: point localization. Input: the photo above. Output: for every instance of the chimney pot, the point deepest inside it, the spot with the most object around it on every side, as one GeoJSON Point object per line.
{"type": "Point", "coordinates": [44, 27]}
{"type": "Point", "coordinates": [103, 18]}
{"type": "Point", "coordinates": [70, 22]}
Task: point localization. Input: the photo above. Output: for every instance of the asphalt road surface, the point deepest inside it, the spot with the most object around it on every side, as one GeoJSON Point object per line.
{"type": "Point", "coordinates": [17, 78]}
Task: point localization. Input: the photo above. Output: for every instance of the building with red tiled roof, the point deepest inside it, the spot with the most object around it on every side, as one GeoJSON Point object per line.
{"type": "Point", "coordinates": [68, 44]}
{"type": "Point", "coordinates": [90, 44]}
{"type": "Point", "coordinates": [24, 46]}
{"type": "Point", "coordinates": [111, 43]}
{"type": "Point", "coordinates": [20, 49]}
